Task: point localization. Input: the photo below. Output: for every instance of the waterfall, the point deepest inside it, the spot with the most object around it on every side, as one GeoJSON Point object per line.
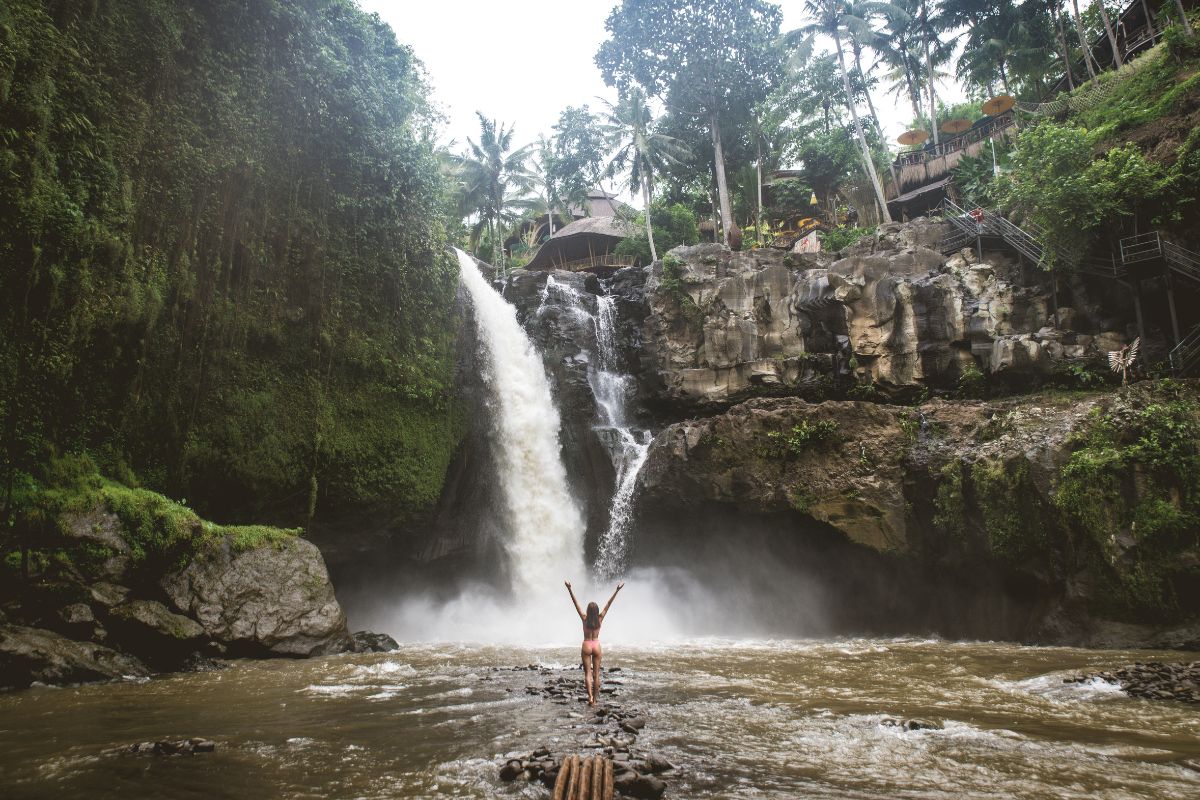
{"type": "Point", "coordinates": [627, 446]}
{"type": "Point", "coordinates": [545, 543]}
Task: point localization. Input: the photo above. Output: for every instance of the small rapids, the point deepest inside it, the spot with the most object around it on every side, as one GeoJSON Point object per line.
{"type": "Point", "coordinates": [739, 719]}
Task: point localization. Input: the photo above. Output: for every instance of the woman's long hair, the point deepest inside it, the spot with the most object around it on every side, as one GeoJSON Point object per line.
{"type": "Point", "coordinates": [593, 617]}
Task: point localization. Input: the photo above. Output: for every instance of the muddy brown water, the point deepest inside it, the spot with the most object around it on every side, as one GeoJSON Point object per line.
{"type": "Point", "coordinates": [739, 719]}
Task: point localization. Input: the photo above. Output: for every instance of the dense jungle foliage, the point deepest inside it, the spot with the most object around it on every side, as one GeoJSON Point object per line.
{"type": "Point", "coordinates": [224, 266]}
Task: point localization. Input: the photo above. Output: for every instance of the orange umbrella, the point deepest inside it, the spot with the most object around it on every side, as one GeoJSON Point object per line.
{"type": "Point", "coordinates": [956, 125]}
{"type": "Point", "coordinates": [999, 104]}
{"type": "Point", "coordinates": [913, 137]}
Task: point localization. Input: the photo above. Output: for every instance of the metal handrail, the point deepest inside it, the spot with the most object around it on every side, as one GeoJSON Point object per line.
{"type": "Point", "coordinates": [1185, 356]}
{"type": "Point", "coordinates": [1141, 248]}
{"type": "Point", "coordinates": [1181, 260]}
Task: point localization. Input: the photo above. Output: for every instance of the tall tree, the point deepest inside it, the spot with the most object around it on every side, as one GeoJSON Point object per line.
{"type": "Point", "coordinates": [1108, 30]}
{"type": "Point", "coordinates": [579, 150]}
{"type": "Point", "coordinates": [495, 180]}
{"type": "Point", "coordinates": [712, 60]}
{"type": "Point", "coordinates": [1083, 42]}
{"type": "Point", "coordinates": [638, 147]}
{"type": "Point", "coordinates": [830, 17]}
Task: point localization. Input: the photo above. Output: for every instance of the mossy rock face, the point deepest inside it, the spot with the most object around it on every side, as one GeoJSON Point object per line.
{"type": "Point", "coordinates": [1131, 489]}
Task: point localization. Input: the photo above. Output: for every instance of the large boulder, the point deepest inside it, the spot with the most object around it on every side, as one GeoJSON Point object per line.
{"type": "Point", "coordinates": [29, 655]}
{"type": "Point", "coordinates": [272, 598]}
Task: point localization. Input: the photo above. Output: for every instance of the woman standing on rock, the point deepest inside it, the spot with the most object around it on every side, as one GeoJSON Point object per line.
{"type": "Point", "coordinates": [591, 641]}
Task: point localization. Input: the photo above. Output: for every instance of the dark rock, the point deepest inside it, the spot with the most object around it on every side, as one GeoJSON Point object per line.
{"type": "Point", "coordinates": [370, 642]}
{"type": "Point", "coordinates": [77, 614]}
{"type": "Point", "coordinates": [645, 787]}
{"type": "Point", "coordinates": [913, 724]}
{"type": "Point", "coordinates": [108, 595]}
{"type": "Point", "coordinates": [181, 747]}
{"type": "Point", "coordinates": [198, 662]}
{"type": "Point", "coordinates": [657, 765]}
{"type": "Point", "coordinates": [32, 654]}
{"type": "Point", "coordinates": [268, 600]}
{"type": "Point", "coordinates": [511, 770]}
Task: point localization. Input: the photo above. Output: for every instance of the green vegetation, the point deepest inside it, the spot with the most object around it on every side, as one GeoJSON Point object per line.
{"type": "Point", "coordinates": [1019, 529]}
{"type": "Point", "coordinates": [802, 438]}
{"type": "Point", "coordinates": [948, 503]}
{"type": "Point", "coordinates": [162, 534]}
{"type": "Point", "coordinates": [674, 225]}
{"type": "Point", "coordinates": [837, 239]}
{"type": "Point", "coordinates": [1133, 489]}
{"type": "Point", "coordinates": [224, 261]}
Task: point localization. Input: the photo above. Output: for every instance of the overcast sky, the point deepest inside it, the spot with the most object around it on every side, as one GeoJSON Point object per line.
{"type": "Point", "coordinates": [524, 61]}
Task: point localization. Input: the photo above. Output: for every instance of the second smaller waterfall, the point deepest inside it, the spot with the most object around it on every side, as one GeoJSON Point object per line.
{"type": "Point", "coordinates": [627, 445]}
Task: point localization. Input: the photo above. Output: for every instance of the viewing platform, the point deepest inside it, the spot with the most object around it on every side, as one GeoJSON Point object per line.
{"type": "Point", "coordinates": [917, 168]}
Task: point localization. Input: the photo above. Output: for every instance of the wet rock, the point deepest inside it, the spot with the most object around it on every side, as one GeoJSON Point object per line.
{"type": "Point", "coordinates": [657, 765]}
{"type": "Point", "coordinates": [1174, 681]}
{"type": "Point", "coordinates": [268, 600]}
{"type": "Point", "coordinates": [643, 787]}
{"type": "Point", "coordinates": [32, 654]}
{"type": "Point", "coordinates": [77, 614]}
{"type": "Point", "coordinates": [912, 724]}
{"type": "Point", "coordinates": [107, 595]}
{"type": "Point", "coordinates": [181, 747]}
{"type": "Point", "coordinates": [370, 642]}
{"type": "Point", "coordinates": [511, 770]}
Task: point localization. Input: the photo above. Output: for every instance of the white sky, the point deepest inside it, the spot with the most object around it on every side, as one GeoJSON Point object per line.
{"type": "Point", "coordinates": [523, 61]}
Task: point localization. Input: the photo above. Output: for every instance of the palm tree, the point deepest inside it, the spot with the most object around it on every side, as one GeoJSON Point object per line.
{"type": "Point", "coordinates": [830, 17]}
{"type": "Point", "coordinates": [494, 182]}
{"type": "Point", "coordinates": [1183, 18]}
{"type": "Point", "coordinates": [1083, 42]}
{"type": "Point", "coordinates": [1112, 38]}
{"type": "Point", "coordinates": [896, 48]}
{"type": "Point", "coordinates": [629, 129]}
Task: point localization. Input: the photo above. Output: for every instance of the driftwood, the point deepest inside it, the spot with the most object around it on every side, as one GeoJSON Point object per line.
{"type": "Point", "coordinates": [585, 779]}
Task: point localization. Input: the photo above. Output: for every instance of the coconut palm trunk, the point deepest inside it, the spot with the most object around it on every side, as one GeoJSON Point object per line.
{"type": "Point", "coordinates": [933, 123]}
{"type": "Point", "coordinates": [868, 162]}
{"type": "Point", "coordinates": [646, 201]}
{"type": "Point", "coordinates": [1083, 43]}
{"type": "Point", "coordinates": [719, 168]}
{"type": "Point", "coordinates": [1187, 26]}
{"type": "Point", "coordinates": [1062, 42]}
{"type": "Point", "coordinates": [1112, 38]}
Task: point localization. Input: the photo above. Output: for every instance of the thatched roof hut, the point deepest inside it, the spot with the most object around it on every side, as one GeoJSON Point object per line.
{"type": "Point", "coordinates": [585, 244]}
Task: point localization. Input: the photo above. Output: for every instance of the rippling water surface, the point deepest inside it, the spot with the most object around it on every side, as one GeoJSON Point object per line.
{"type": "Point", "coordinates": [738, 719]}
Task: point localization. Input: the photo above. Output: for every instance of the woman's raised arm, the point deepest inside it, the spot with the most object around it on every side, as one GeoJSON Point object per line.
{"type": "Point", "coordinates": [571, 591]}
{"type": "Point", "coordinates": [620, 586]}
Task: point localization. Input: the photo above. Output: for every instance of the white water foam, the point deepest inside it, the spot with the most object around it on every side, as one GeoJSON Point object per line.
{"type": "Point", "coordinates": [545, 529]}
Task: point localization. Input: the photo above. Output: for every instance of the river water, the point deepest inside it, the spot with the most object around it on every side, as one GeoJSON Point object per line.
{"type": "Point", "coordinates": [738, 719]}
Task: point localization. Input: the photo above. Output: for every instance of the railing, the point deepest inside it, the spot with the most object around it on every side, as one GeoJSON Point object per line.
{"type": "Point", "coordinates": [953, 145]}
{"type": "Point", "coordinates": [1145, 247]}
{"type": "Point", "coordinates": [1151, 246]}
{"type": "Point", "coordinates": [591, 262]}
{"type": "Point", "coordinates": [1185, 357]}
{"type": "Point", "coordinates": [1027, 241]}
{"type": "Point", "coordinates": [1183, 262]}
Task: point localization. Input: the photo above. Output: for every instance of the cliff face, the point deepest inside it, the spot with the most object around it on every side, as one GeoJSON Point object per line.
{"type": "Point", "coordinates": [788, 390]}
{"type": "Point", "coordinates": [891, 316]}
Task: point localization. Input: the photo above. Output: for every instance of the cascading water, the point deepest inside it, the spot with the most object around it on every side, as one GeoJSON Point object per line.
{"type": "Point", "coordinates": [545, 542]}
{"type": "Point", "coordinates": [627, 446]}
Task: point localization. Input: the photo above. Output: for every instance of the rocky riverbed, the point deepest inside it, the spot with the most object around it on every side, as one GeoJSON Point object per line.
{"type": "Point", "coordinates": [609, 729]}
{"type": "Point", "coordinates": [1155, 680]}
{"type": "Point", "coordinates": [839, 718]}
